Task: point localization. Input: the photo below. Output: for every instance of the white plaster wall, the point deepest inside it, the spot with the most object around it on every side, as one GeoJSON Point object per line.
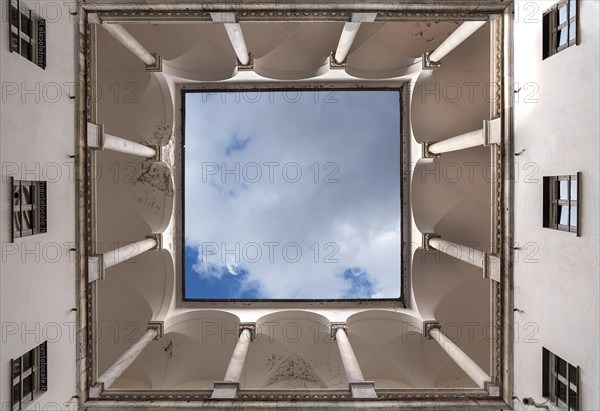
{"type": "Point", "coordinates": [556, 275]}
{"type": "Point", "coordinates": [38, 273]}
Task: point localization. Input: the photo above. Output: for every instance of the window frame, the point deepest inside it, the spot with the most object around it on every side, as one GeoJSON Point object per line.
{"type": "Point", "coordinates": [35, 38]}
{"type": "Point", "coordinates": [553, 378]}
{"type": "Point", "coordinates": [37, 371]}
{"type": "Point", "coordinates": [270, 86]}
{"type": "Point", "coordinates": [551, 28]}
{"type": "Point", "coordinates": [553, 202]}
{"type": "Point", "coordinates": [37, 204]}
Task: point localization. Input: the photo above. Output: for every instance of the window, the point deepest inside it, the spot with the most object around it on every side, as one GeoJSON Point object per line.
{"type": "Point", "coordinates": [29, 208]}
{"type": "Point", "coordinates": [27, 34]}
{"type": "Point", "coordinates": [29, 376]}
{"type": "Point", "coordinates": [560, 381]}
{"type": "Point", "coordinates": [560, 27]}
{"type": "Point", "coordinates": [561, 196]}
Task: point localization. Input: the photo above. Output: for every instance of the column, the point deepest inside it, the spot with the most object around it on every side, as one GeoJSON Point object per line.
{"type": "Point", "coordinates": [97, 264]}
{"type": "Point", "coordinates": [489, 134]}
{"type": "Point", "coordinates": [229, 387]}
{"type": "Point", "coordinates": [154, 331]}
{"type": "Point", "coordinates": [465, 362]}
{"type": "Point", "coordinates": [488, 262]}
{"type": "Point", "coordinates": [358, 386]}
{"type": "Point", "coordinates": [98, 139]}
{"type": "Point", "coordinates": [460, 142]}
{"type": "Point", "coordinates": [348, 35]}
{"type": "Point", "coordinates": [236, 37]}
{"type": "Point", "coordinates": [153, 62]}
{"type": "Point", "coordinates": [432, 59]}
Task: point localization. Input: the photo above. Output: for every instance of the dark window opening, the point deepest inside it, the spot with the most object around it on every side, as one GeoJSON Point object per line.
{"type": "Point", "coordinates": [561, 203]}
{"type": "Point", "coordinates": [27, 34]}
{"type": "Point", "coordinates": [559, 27]}
{"type": "Point", "coordinates": [29, 213]}
{"type": "Point", "coordinates": [560, 381]}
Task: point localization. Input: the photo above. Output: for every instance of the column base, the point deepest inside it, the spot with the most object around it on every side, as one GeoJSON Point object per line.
{"type": "Point", "coordinates": [225, 390]}
{"type": "Point", "coordinates": [363, 389]}
{"type": "Point", "coordinates": [95, 267]}
{"type": "Point", "coordinates": [96, 390]}
{"type": "Point", "coordinates": [492, 389]}
{"type": "Point", "coordinates": [491, 267]}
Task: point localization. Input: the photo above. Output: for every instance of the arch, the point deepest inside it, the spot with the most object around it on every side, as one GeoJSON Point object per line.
{"type": "Point", "coordinates": [457, 95]}
{"type": "Point", "coordinates": [451, 196]}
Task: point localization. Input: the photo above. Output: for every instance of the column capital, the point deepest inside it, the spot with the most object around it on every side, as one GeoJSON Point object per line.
{"type": "Point", "coordinates": [429, 325]}
{"type": "Point", "coordinates": [334, 65]}
{"type": "Point", "coordinates": [158, 238]}
{"type": "Point", "coordinates": [425, 153]}
{"type": "Point", "coordinates": [250, 327]}
{"type": "Point", "coordinates": [246, 67]}
{"type": "Point", "coordinates": [157, 66]}
{"type": "Point", "coordinates": [95, 267]}
{"type": "Point", "coordinates": [425, 237]}
{"type": "Point", "coordinates": [158, 149]}
{"type": "Point", "coordinates": [427, 64]}
{"type": "Point", "coordinates": [159, 326]}
{"type": "Point", "coordinates": [336, 326]}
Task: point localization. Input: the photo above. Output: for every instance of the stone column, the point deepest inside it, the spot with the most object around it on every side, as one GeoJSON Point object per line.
{"type": "Point", "coordinates": [154, 331]}
{"type": "Point", "coordinates": [228, 388]}
{"type": "Point", "coordinates": [98, 139]}
{"type": "Point", "coordinates": [236, 37]}
{"type": "Point", "coordinates": [470, 367]}
{"type": "Point", "coordinates": [432, 59]}
{"type": "Point", "coordinates": [348, 35]}
{"type": "Point", "coordinates": [488, 262]}
{"type": "Point", "coordinates": [153, 62]}
{"type": "Point", "coordinates": [358, 386]}
{"type": "Point", "coordinates": [97, 264]}
{"type": "Point", "coordinates": [489, 134]}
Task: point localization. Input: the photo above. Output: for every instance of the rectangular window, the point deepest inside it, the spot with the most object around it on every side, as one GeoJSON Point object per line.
{"type": "Point", "coordinates": [560, 381]}
{"type": "Point", "coordinates": [29, 208]}
{"type": "Point", "coordinates": [284, 187]}
{"type": "Point", "coordinates": [29, 376]}
{"type": "Point", "coordinates": [561, 199]}
{"type": "Point", "coordinates": [27, 34]}
{"type": "Point", "coordinates": [560, 27]}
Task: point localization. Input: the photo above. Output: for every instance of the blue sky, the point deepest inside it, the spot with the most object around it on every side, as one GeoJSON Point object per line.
{"type": "Point", "coordinates": [292, 195]}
